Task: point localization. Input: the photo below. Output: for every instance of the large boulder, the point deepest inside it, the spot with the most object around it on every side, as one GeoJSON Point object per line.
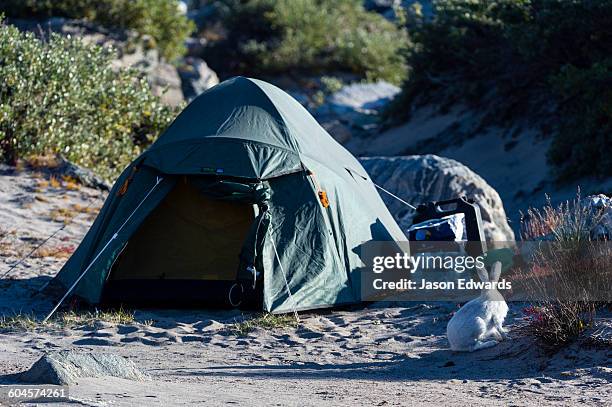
{"type": "Point", "coordinates": [355, 109]}
{"type": "Point", "coordinates": [387, 8]}
{"type": "Point", "coordinates": [425, 178]}
{"type": "Point", "coordinates": [166, 83]}
{"type": "Point", "coordinates": [163, 77]}
{"type": "Point", "coordinates": [66, 367]}
{"type": "Point", "coordinates": [63, 168]}
{"type": "Point", "coordinates": [196, 77]}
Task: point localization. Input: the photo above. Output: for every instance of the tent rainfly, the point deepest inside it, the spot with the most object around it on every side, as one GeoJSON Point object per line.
{"type": "Point", "coordinates": [245, 198]}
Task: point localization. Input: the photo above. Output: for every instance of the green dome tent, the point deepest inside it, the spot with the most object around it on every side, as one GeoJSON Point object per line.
{"type": "Point", "coordinates": [244, 191]}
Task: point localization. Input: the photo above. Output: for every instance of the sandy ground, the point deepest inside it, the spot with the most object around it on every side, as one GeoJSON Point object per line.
{"type": "Point", "coordinates": [382, 354]}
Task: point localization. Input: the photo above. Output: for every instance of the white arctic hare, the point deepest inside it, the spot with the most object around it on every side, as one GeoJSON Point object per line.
{"type": "Point", "coordinates": [478, 324]}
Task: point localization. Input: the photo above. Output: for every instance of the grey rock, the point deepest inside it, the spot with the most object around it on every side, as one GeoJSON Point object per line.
{"type": "Point", "coordinates": [66, 367]}
{"type": "Point", "coordinates": [196, 77]}
{"type": "Point", "coordinates": [357, 107]}
{"type": "Point", "coordinates": [195, 46]}
{"type": "Point", "coordinates": [366, 98]}
{"type": "Point", "coordinates": [387, 8]}
{"type": "Point", "coordinates": [380, 4]}
{"type": "Point", "coordinates": [425, 178]}
{"type": "Point", "coordinates": [166, 83]}
{"type": "Point", "coordinates": [161, 76]}
{"type": "Point", "coordinates": [183, 7]}
{"type": "Point", "coordinates": [84, 176]}
{"type": "Point", "coordinates": [63, 168]}
{"type": "Point", "coordinates": [601, 206]}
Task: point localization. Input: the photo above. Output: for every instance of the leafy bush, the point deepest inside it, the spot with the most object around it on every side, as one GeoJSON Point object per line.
{"type": "Point", "coordinates": [585, 134]}
{"type": "Point", "coordinates": [158, 18]}
{"type": "Point", "coordinates": [63, 97]}
{"type": "Point", "coordinates": [519, 58]}
{"type": "Point", "coordinates": [318, 36]}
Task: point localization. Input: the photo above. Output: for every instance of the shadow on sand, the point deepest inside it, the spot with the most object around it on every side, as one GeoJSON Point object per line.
{"type": "Point", "coordinates": [512, 360]}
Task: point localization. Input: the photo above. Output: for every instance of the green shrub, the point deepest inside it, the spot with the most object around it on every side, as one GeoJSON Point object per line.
{"type": "Point", "coordinates": [313, 36]}
{"type": "Point", "coordinates": [585, 135]}
{"type": "Point", "coordinates": [519, 58]}
{"type": "Point", "coordinates": [158, 18]}
{"type": "Point", "coordinates": [62, 96]}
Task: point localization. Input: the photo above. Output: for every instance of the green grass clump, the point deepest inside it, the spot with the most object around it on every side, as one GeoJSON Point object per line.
{"type": "Point", "coordinates": [158, 18]}
{"type": "Point", "coordinates": [263, 321]}
{"type": "Point", "coordinates": [547, 60]}
{"type": "Point", "coordinates": [63, 97]}
{"type": "Point", "coordinates": [19, 322]}
{"type": "Point", "coordinates": [73, 319]}
{"type": "Point", "coordinates": [311, 36]}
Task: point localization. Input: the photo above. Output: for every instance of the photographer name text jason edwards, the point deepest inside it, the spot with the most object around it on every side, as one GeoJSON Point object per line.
{"type": "Point", "coordinates": [423, 284]}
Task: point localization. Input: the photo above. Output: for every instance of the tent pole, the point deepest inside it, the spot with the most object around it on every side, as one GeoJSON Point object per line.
{"type": "Point", "coordinates": [72, 287]}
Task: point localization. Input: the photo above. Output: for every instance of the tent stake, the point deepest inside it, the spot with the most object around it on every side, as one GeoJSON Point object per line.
{"type": "Point", "coordinates": [72, 287]}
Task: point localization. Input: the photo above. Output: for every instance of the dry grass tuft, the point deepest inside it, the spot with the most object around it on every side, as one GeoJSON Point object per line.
{"type": "Point", "coordinates": [42, 161]}
{"type": "Point", "coordinates": [70, 183]}
{"type": "Point", "coordinates": [65, 182]}
{"type": "Point", "coordinates": [569, 221]}
{"type": "Point", "coordinates": [6, 248]}
{"type": "Point", "coordinates": [54, 182]}
{"type": "Point", "coordinates": [570, 274]}
{"type": "Point", "coordinates": [85, 209]}
{"type": "Point", "coordinates": [20, 322]}
{"type": "Point", "coordinates": [42, 184]}
{"type": "Point", "coordinates": [3, 232]}
{"type": "Point", "coordinates": [72, 319]}
{"type": "Point", "coordinates": [62, 251]}
{"type": "Point", "coordinates": [66, 215]}
{"type": "Point", "coordinates": [265, 321]}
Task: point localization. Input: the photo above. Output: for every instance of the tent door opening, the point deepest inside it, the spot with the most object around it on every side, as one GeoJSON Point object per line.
{"type": "Point", "coordinates": [186, 253]}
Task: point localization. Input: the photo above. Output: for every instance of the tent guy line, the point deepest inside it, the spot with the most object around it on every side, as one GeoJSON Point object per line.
{"type": "Point", "coordinates": [47, 239]}
{"type": "Point", "coordinates": [72, 287]}
{"type": "Point", "coordinates": [394, 196]}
